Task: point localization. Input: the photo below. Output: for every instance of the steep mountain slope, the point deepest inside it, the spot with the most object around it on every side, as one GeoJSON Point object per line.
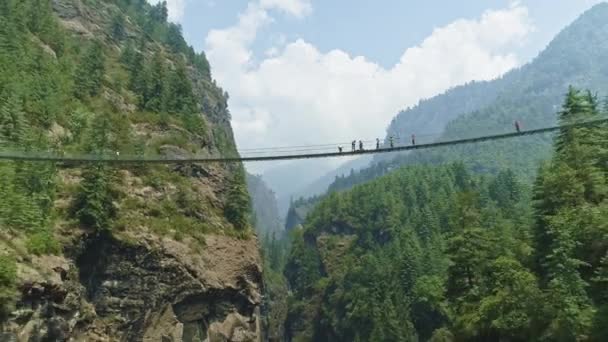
{"type": "Point", "coordinates": [319, 186]}
{"type": "Point", "coordinates": [430, 116]}
{"type": "Point", "coordinates": [100, 253]}
{"type": "Point", "coordinates": [265, 210]}
{"type": "Point", "coordinates": [576, 57]}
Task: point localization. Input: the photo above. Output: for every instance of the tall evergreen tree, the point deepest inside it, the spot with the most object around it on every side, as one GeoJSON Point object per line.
{"type": "Point", "coordinates": [89, 74]}
{"type": "Point", "coordinates": [94, 205]}
{"type": "Point", "coordinates": [14, 127]}
{"type": "Point", "coordinates": [238, 206]}
{"type": "Point", "coordinates": [568, 198]}
{"type": "Point", "coordinates": [156, 88]}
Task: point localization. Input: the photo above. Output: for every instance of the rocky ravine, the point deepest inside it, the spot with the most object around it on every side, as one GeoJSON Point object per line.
{"type": "Point", "coordinates": [153, 290]}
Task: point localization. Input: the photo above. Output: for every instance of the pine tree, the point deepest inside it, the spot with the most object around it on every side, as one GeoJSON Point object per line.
{"type": "Point", "coordinates": [90, 72]}
{"type": "Point", "coordinates": [155, 97]}
{"type": "Point", "coordinates": [567, 195]}
{"type": "Point", "coordinates": [135, 62]}
{"type": "Point", "coordinates": [574, 180]}
{"type": "Point", "coordinates": [571, 308]}
{"type": "Point", "coordinates": [600, 280]}
{"type": "Point", "coordinates": [93, 206]}
{"type": "Point", "coordinates": [238, 208]}
{"type": "Point", "coordinates": [511, 307]}
{"type": "Point", "coordinates": [159, 12]}
{"type": "Point", "coordinates": [94, 203]}
{"type": "Point", "coordinates": [117, 27]}
{"type": "Point", "coordinates": [8, 282]}
{"type": "Point", "coordinates": [600, 323]}
{"type": "Point", "coordinates": [175, 39]}
{"type": "Point", "coordinates": [14, 127]}
{"type": "Point", "coordinates": [179, 95]}
{"type": "Point", "coordinates": [127, 57]}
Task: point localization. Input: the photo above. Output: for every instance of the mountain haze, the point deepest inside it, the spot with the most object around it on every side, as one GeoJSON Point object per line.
{"type": "Point", "coordinates": [266, 212]}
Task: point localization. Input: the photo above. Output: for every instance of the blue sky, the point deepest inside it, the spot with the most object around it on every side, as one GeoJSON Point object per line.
{"type": "Point", "coordinates": [379, 30]}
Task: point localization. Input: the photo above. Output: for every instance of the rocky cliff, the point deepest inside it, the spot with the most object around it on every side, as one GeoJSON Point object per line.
{"type": "Point", "coordinates": [146, 288]}
{"type": "Point", "coordinates": [136, 253]}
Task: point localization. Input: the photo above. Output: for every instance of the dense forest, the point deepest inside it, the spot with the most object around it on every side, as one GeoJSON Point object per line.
{"type": "Point", "coordinates": [443, 253]}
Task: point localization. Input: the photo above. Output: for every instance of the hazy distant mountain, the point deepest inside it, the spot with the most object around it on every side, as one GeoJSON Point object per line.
{"type": "Point", "coordinates": [267, 220]}
{"type": "Point", "coordinates": [288, 179]}
{"type": "Point", "coordinates": [320, 185]}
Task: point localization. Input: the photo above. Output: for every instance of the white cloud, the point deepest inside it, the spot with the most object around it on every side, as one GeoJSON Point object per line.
{"type": "Point", "coordinates": [175, 7]}
{"type": "Point", "coordinates": [299, 95]}
{"type": "Point", "coordinates": [298, 8]}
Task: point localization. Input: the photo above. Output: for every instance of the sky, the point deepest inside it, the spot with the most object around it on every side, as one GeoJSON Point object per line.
{"type": "Point", "coordinates": [303, 72]}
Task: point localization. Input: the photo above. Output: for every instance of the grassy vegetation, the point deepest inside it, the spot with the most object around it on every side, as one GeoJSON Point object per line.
{"type": "Point", "coordinates": [8, 275]}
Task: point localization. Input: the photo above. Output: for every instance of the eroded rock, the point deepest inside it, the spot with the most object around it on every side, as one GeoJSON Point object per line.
{"type": "Point", "coordinates": [153, 290]}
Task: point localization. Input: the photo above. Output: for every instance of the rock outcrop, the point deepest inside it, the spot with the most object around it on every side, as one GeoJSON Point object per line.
{"type": "Point", "coordinates": [154, 289]}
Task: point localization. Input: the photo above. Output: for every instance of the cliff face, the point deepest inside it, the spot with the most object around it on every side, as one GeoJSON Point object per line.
{"type": "Point", "coordinates": [146, 288]}
{"type": "Point", "coordinates": [176, 260]}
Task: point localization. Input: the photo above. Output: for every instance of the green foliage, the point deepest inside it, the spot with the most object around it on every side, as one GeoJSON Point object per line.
{"type": "Point", "coordinates": [93, 206]}
{"type": "Point", "coordinates": [43, 242]}
{"type": "Point", "coordinates": [570, 233]}
{"type": "Point", "coordinates": [238, 207]}
{"type": "Point", "coordinates": [8, 280]}
{"type": "Point", "coordinates": [14, 128]}
{"type": "Point", "coordinates": [89, 73]}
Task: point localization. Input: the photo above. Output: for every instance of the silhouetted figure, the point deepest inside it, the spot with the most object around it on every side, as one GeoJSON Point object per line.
{"type": "Point", "coordinates": [340, 149]}
{"type": "Point", "coordinates": [377, 144]}
{"type": "Point", "coordinates": [392, 141]}
{"type": "Point", "coordinates": [360, 145]}
{"type": "Point", "coordinates": [413, 139]}
{"type": "Point", "coordinates": [354, 145]}
{"type": "Point", "coordinates": [517, 126]}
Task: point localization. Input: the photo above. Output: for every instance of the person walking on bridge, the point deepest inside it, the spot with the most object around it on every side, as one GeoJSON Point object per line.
{"type": "Point", "coordinates": [340, 149]}
{"type": "Point", "coordinates": [413, 139]}
{"type": "Point", "coordinates": [377, 144]}
{"type": "Point", "coordinates": [392, 141]}
{"type": "Point", "coordinates": [354, 144]}
{"type": "Point", "coordinates": [517, 126]}
{"type": "Point", "coordinates": [360, 145]}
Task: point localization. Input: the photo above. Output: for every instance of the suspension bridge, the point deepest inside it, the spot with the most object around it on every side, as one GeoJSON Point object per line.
{"type": "Point", "coordinates": [289, 153]}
